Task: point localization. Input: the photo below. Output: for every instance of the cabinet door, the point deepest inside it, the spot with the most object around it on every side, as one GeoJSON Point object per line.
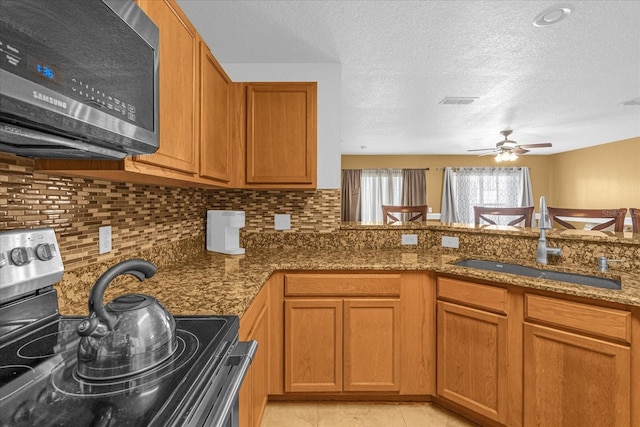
{"type": "Point", "coordinates": [281, 133]}
{"type": "Point", "coordinates": [215, 150]}
{"type": "Point", "coordinates": [253, 393]}
{"type": "Point", "coordinates": [472, 359]}
{"type": "Point", "coordinates": [313, 345]}
{"type": "Point", "coordinates": [259, 379]}
{"type": "Point", "coordinates": [178, 87]}
{"type": "Point", "coordinates": [371, 345]}
{"type": "Point", "coordinates": [572, 380]}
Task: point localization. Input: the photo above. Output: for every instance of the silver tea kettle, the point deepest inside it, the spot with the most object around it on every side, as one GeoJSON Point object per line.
{"type": "Point", "coordinates": [131, 334]}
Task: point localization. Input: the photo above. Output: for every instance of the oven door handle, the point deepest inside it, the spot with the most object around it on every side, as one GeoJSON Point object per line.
{"type": "Point", "coordinates": [238, 364]}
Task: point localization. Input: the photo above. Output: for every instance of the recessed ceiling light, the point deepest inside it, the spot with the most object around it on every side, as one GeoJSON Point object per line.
{"type": "Point", "coordinates": [552, 16]}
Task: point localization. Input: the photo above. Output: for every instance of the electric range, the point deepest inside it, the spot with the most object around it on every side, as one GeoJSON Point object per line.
{"type": "Point", "coordinates": [39, 385]}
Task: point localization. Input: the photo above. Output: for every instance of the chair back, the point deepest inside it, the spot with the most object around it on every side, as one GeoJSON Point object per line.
{"type": "Point", "coordinates": [524, 213]}
{"type": "Point", "coordinates": [635, 219]}
{"type": "Point", "coordinates": [616, 217]}
{"type": "Point", "coordinates": [417, 213]}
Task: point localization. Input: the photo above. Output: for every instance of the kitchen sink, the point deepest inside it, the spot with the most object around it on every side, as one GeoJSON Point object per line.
{"type": "Point", "coordinates": [521, 270]}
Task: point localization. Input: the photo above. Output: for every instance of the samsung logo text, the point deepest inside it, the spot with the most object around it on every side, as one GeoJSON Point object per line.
{"type": "Point", "coordinates": [49, 99]}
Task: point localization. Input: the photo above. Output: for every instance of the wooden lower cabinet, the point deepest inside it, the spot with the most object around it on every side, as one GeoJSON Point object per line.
{"type": "Point", "coordinates": [254, 325]}
{"type": "Point", "coordinates": [571, 379]}
{"type": "Point", "coordinates": [313, 345]}
{"type": "Point", "coordinates": [503, 356]}
{"type": "Point", "coordinates": [472, 359]}
{"type": "Point", "coordinates": [342, 345]}
{"type": "Point", "coordinates": [358, 333]}
{"type": "Point", "coordinates": [371, 345]}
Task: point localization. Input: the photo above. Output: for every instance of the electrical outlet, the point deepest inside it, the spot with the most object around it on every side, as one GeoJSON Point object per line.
{"type": "Point", "coordinates": [282, 222]}
{"type": "Point", "coordinates": [105, 239]}
{"type": "Point", "coordinates": [409, 239]}
{"type": "Point", "coordinates": [450, 242]}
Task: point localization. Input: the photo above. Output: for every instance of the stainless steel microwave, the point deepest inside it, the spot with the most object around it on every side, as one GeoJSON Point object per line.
{"type": "Point", "coordinates": [78, 79]}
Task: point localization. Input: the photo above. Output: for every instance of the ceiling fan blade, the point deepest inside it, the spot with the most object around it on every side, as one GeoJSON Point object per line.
{"type": "Point", "coordinates": [520, 151]}
{"type": "Point", "coordinates": [544, 144]}
{"type": "Point", "coordinates": [483, 149]}
{"type": "Point", "coordinates": [488, 154]}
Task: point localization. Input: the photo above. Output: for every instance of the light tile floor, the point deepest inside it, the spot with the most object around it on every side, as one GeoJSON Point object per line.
{"type": "Point", "coordinates": [353, 414]}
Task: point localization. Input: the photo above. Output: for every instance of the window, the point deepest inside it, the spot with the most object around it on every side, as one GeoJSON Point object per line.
{"type": "Point", "coordinates": [379, 187]}
{"type": "Point", "coordinates": [465, 188]}
{"type": "Point", "coordinates": [364, 191]}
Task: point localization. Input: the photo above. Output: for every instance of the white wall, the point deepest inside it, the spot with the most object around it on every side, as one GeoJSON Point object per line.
{"type": "Point", "coordinates": [329, 80]}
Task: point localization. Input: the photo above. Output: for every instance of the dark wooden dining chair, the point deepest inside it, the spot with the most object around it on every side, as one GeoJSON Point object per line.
{"type": "Point", "coordinates": [635, 219]}
{"type": "Point", "coordinates": [615, 216]}
{"type": "Point", "coordinates": [524, 213]}
{"type": "Point", "coordinates": [416, 213]}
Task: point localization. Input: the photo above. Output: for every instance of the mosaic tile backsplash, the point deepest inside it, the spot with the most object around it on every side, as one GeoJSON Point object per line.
{"type": "Point", "coordinates": [142, 217]}
{"type": "Point", "coordinates": [167, 224]}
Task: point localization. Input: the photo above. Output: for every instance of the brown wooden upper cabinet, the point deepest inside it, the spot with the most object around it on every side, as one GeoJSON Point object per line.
{"type": "Point", "coordinates": [281, 135]}
{"type": "Point", "coordinates": [179, 51]}
{"type": "Point", "coordinates": [214, 133]}
{"type": "Point", "coordinates": [177, 160]}
{"type": "Point", "coordinates": [215, 141]}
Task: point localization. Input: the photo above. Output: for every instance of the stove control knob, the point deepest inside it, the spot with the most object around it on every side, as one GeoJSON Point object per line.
{"type": "Point", "coordinates": [44, 252]}
{"type": "Point", "coordinates": [20, 256]}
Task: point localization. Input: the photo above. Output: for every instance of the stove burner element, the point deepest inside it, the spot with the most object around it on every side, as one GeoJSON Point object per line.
{"type": "Point", "coordinates": [42, 347]}
{"type": "Point", "coordinates": [66, 380]}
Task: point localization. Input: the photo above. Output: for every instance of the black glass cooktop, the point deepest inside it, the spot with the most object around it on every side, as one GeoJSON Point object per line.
{"type": "Point", "coordinates": [39, 385]}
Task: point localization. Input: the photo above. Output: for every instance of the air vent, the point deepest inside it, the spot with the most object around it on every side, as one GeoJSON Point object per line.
{"type": "Point", "coordinates": [458, 100]}
{"type": "Point", "coordinates": [632, 102]}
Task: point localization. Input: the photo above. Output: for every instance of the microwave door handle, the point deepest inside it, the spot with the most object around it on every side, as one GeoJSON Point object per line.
{"type": "Point", "coordinates": [26, 138]}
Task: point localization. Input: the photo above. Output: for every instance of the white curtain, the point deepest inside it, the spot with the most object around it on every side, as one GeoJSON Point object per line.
{"type": "Point", "coordinates": [489, 187]}
{"type": "Point", "coordinates": [379, 187]}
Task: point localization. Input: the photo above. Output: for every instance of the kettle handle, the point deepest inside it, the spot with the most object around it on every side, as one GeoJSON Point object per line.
{"type": "Point", "coordinates": [137, 267]}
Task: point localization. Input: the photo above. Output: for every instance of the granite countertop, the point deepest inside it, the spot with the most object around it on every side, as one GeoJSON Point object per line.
{"type": "Point", "coordinates": [212, 283]}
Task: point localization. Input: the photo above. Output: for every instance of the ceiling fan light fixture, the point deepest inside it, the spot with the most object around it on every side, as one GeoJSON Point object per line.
{"type": "Point", "coordinates": [506, 156]}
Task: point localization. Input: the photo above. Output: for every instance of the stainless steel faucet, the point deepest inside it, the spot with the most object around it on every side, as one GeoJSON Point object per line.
{"type": "Point", "coordinates": [544, 224]}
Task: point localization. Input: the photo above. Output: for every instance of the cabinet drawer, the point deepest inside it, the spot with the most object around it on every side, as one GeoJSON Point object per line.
{"type": "Point", "coordinates": [601, 321]}
{"type": "Point", "coordinates": [473, 294]}
{"type": "Point", "coordinates": [342, 284]}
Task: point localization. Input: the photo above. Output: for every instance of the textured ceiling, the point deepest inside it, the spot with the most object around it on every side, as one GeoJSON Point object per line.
{"type": "Point", "coordinates": [562, 84]}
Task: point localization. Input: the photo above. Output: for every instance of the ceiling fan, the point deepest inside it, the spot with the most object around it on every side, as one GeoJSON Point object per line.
{"type": "Point", "coordinates": [508, 149]}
